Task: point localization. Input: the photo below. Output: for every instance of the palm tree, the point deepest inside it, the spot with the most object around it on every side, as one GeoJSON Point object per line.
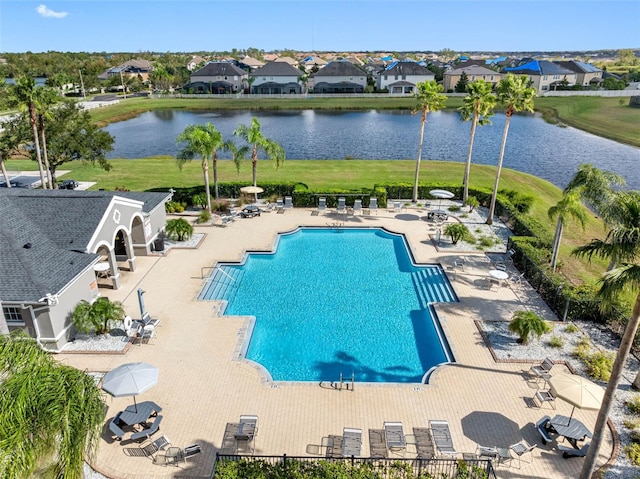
{"type": "Point", "coordinates": [47, 409]}
{"type": "Point", "coordinates": [622, 245]}
{"type": "Point", "coordinates": [23, 95]}
{"type": "Point", "coordinates": [203, 141]}
{"type": "Point", "coordinates": [515, 94]}
{"type": "Point", "coordinates": [595, 186]}
{"type": "Point", "coordinates": [478, 107]}
{"type": "Point", "coordinates": [45, 99]}
{"type": "Point", "coordinates": [252, 135]}
{"type": "Point", "coordinates": [430, 98]}
{"type": "Point", "coordinates": [569, 205]}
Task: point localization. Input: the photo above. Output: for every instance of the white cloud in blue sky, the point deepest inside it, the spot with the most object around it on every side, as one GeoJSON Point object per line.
{"type": "Point", "coordinates": [45, 11]}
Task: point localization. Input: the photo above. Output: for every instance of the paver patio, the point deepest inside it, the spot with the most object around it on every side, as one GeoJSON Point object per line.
{"type": "Point", "coordinates": [202, 386]}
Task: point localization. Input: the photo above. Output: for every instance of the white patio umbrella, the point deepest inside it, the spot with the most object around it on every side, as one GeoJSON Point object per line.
{"type": "Point", "coordinates": [577, 391]}
{"type": "Point", "coordinates": [252, 190]}
{"type": "Point", "coordinates": [130, 379]}
{"type": "Point", "coordinates": [441, 194]}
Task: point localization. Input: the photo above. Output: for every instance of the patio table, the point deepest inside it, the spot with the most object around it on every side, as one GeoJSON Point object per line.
{"type": "Point", "coordinates": [136, 414]}
{"type": "Point", "coordinates": [570, 428]}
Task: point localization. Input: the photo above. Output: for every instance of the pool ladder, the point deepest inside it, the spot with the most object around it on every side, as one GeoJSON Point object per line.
{"type": "Point", "coordinates": [344, 384]}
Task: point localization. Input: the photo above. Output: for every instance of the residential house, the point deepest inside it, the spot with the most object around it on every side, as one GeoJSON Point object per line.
{"type": "Point", "coordinates": [544, 75]}
{"type": "Point", "coordinates": [339, 77]}
{"type": "Point", "coordinates": [586, 73]}
{"type": "Point", "coordinates": [249, 63]}
{"type": "Point", "coordinates": [194, 62]}
{"type": "Point", "coordinates": [276, 78]}
{"type": "Point", "coordinates": [130, 69]}
{"type": "Point", "coordinates": [313, 63]}
{"type": "Point", "coordinates": [288, 60]}
{"type": "Point", "coordinates": [51, 242]}
{"type": "Point", "coordinates": [473, 72]}
{"type": "Point", "coordinates": [402, 77]}
{"type": "Point", "coordinates": [218, 78]}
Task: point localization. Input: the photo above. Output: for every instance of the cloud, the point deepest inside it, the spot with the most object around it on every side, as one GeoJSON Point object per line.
{"type": "Point", "coordinates": [47, 12]}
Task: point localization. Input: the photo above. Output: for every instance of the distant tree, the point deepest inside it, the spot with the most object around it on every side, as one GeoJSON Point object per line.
{"type": "Point", "coordinates": [252, 134]}
{"type": "Point", "coordinates": [461, 86]}
{"type": "Point", "coordinates": [446, 54]}
{"type": "Point", "coordinates": [46, 100]}
{"type": "Point", "coordinates": [611, 83]}
{"type": "Point", "coordinates": [569, 206]}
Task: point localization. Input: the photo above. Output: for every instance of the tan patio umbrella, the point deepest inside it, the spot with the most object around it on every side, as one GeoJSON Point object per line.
{"type": "Point", "coordinates": [252, 190]}
{"type": "Point", "coordinates": [577, 391]}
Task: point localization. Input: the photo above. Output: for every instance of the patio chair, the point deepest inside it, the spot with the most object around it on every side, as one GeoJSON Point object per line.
{"type": "Point", "coordinates": [170, 457]}
{"type": "Point", "coordinates": [373, 205]}
{"type": "Point", "coordinates": [342, 207]}
{"type": "Point", "coordinates": [280, 205]}
{"type": "Point", "coordinates": [543, 370]}
{"type": "Point", "coordinates": [546, 396]}
{"type": "Point", "coordinates": [394, 437]}
{"type": "Point", "coordinates": [521, 449]}
{"type": "Point", "coordinates": [288, 202]}
{"type": "Point", "coordinates": [351, 442]}
{"type": "Point", "coordinates": [357, 206]}
{"type": "Point", "coordinates": [190, 451]}
{"type": "Point", "coordinates": [147, 320]}
{"type": "Point", "coordinates": [322, 204]}
{"type": "Point", "coordinates": [150, 448]}
{"type": "Point", "coordinates": [245, 436]}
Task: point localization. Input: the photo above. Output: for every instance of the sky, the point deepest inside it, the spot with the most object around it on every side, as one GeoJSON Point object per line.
{"type": "Point", "coordinates": [310, 25]}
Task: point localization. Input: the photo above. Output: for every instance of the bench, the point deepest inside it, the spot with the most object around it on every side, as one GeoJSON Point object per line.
{"type": "Point", "coordinates": [145, 433]}
{"type": "Point", "coordinates": [540, 426]}
{"type": "Point", "coordinates": [114, 427]}
{"type": "Point", "coordinates": [568, 452]}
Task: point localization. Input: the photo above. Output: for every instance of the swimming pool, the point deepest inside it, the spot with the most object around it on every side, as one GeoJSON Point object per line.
{"type": "Point", "coordinates": [338, 301]}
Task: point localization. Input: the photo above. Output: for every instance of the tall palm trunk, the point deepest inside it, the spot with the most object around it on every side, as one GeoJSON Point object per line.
{"type": "Point", "coordinates": [492, 206]}
{"type": "Point", "coordinates": [254, 164]}
{"type": "Point", "coordinates": [36, 142]}
{"type": "Point", "coordinates": [616, 373]}
{"type": "Point", "coordinates": [44, 150]}
{"type": "Point", "coordinates": [4, 171]}
{"type": "Point", "coordinates": [214, 160]}
{"type": "Point", "coordinates": [467, 168]}
{"type": "Point", "coordinates": [207, 191]}
{"type": "Point", "coordinates": [556, 243]}
{"type": "Point", "coordinates": [423, 120]}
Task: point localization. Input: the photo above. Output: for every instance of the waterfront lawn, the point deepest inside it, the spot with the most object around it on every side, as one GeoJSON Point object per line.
{"type": "Point", "coordinates": [163, 172]}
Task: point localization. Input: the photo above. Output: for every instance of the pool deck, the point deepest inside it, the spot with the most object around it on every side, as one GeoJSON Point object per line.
{"type": "Point", "coordinates": [202, 387]}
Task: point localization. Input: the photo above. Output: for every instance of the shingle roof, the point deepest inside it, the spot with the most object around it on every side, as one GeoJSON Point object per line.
{"type": "Point", "coordinates": [339, 68]}
{"type": "Point", "coordinates": [277, 68]}
{"type": "Point", "coordinates": [219, 68]}
{"type": "Point", "coordinates": [579, 67]}
{"type": "Point", "coordinates": [540, 67]}
{"type": "Point", "coordinates": [406, 68]}
{"type": "Point", "coordinates": [44, 235]}
{"type": "Point", "coordinates": [472, 70]}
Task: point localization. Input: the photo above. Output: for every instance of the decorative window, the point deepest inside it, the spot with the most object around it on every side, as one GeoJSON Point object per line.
{"type": "Point", "coordinates": [404, 77]}
{"type": "Point", "coordinates": [12, 315]}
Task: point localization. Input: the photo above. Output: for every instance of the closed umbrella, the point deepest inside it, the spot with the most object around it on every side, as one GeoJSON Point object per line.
{"type": "Point", "coordinates": [130, 379]}
{"type": "Point", "coordinates": [577, 391]}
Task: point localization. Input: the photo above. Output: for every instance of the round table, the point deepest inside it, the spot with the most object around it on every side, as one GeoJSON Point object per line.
{"type": "Point", "coordinates": [499, 275]}
{"type": "Point", "coordinates": [101, 268]}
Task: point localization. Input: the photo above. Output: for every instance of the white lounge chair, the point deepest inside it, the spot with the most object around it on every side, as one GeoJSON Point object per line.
{"type": "Point", "coordinates": [373, 205]}
{"type": "Point", "coordinates": [441, 436]}
{"type": "Point", "coordinates": [322, 204]}
{"type": "Point", "coordinates": [357, 206]}
{"type": "Point", "coordinates": [342, 207]}
{"type": "Point", "coordinates": [394, 438]}
{"type": "Point", "coordinates": [288, 202]}
{"type": "Point", "coordinates": [246, 434]}
{"type": "Point", "coordinates": [351, 442]}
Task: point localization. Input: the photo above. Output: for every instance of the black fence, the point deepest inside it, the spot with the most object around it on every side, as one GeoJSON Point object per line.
{"type": "Point", "coordinates": [373, 468]}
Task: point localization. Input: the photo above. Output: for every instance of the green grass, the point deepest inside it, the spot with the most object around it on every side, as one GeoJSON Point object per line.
{"type": "Point", "coordinates": [163, 172]}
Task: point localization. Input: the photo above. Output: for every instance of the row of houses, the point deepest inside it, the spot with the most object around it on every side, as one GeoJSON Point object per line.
{"type": "Point", "coordinates": [398, 77]}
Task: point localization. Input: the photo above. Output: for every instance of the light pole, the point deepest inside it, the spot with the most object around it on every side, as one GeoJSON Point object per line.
{"type": "Point", "coordinates": [84, 93]}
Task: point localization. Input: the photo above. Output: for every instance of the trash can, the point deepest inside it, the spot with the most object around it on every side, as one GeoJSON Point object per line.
{"type": "Point", "coordinates": [158, 243]}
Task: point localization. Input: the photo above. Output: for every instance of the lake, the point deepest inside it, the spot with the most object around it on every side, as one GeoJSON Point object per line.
{"type": "Point", "coordinates": [548, 151]}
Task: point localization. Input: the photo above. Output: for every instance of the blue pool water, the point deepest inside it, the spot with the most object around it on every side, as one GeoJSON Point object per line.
{"type": "Point", "coordinates": [338, 301]}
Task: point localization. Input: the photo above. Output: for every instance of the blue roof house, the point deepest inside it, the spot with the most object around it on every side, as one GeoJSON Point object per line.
{"type": "Point", "coordinates": [544, 75]}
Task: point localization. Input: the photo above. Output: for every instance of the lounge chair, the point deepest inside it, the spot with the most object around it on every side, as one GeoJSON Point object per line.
{"type": "Point", "coordinates": [322, 205]}
{"type": "Point", "coordinates": [397, 206]}
{"type": "Point", "coordinates": [357, 206]}
{"type": "Point", "coordinates": [279, 204]}
{"type": "Point", "coordinates": [342, 207]}
{"type": "Point", "coordinates": [373, 205]}
{"type": "Point", "coordinates": [147, 320]}
{"type": "Point", "coordinates": [521, 449]}
{"type": "Point", "coordinates": [226, 220]}
{"type": "Point", "coordinates": [351, 442]}
{"type": "Point", "coordinates": [190, 451]}
{"type": "Point", "coordinates": [288, 202]}
{"type": "Point", "coordinates": [394, 437]}
{"type": "Point", "coordinates": [441, 436]}
{"type": "Point", "coordinates": [245, 436]}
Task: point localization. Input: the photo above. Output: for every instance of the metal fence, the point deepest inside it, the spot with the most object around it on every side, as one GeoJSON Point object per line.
{"type": "Point", "coordinates": [382, 468]}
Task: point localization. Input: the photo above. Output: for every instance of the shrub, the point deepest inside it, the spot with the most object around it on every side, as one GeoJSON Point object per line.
{"type": "Point", "coordinates": [179, 228]}
{"type": "Point", "coordinates": [582, 349]}
{"type": "Point", "coordinates": [556, 342]}
{"type": "Point", "coordinates": [454, 208]}
{"type": "Point", "coordinates": [633, 453]}
{"type": "Point", "coordinates": [204, 217]}
{"type": "Point", "coordinates": [526, 323]}
{"type": "Point", "coordinates": [472, 203]}
{"type": "Point", "coordinates": [633, 404]}
{"type": "Point", "coordinates": [632, 423]}
{"type": "Point", "coordinates": [220, 205]}
{"type": "Point", "coordinates": [571, 328]}
{"type": "Point", "coordinates": [599, 365]}
{"type": "Point", "coordinates": [199, 200]}
{"type": "Point", "coordinates": [97, 315]}
{"type": "Point", "coordinates": [457, 232]}
{"type": "Point", "coordinates": [522, 203]}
